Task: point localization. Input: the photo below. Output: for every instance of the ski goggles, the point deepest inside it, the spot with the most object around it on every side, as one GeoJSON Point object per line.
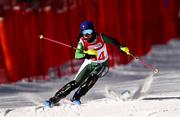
{"type": "Point", "coordinates": [87, 31]}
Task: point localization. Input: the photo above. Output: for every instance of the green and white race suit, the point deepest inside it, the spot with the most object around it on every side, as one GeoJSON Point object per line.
{"type": "Point", "coordinates": [98, 65]}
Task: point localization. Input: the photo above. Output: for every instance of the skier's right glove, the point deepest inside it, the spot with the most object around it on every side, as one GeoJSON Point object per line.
{"type": "Point", "coordinates": [90, 54]}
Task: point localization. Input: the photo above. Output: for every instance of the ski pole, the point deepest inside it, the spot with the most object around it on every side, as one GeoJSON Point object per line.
{"type": "Point", "coordinates": [57, 42]}
{"type": "Point", "coordinates": [155, 70]}
{"type": "Point", "coordinates": [90, 52]}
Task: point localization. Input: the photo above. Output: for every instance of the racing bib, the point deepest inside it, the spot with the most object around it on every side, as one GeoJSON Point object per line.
{"type": "Point", "coordinates": [98, 45]}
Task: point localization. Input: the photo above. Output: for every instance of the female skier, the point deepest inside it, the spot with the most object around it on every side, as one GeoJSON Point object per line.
{"type": "Point", "coordinates": [91, 47]}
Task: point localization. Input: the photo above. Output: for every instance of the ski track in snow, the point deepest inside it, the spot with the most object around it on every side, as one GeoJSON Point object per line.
{"type": "Point", "coordinates": [152, 95]}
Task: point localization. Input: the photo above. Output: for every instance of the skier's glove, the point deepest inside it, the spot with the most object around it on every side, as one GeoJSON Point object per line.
{"type": "Point", "coordinates": [125, 50]}
{"type": "Point", "coordinates": [90, 53]}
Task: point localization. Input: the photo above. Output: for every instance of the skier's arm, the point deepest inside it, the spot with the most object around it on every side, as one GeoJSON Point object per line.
{"type": "Point", "coordinates": [111, 40]}
{"type": "Point", "coordinates": [115, 42]}
{"type": "Point", "coordinates": [81, 53]}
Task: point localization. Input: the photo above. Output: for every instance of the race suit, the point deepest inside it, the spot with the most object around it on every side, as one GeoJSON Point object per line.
{"type": "Point", "coordinates": [92, 68]}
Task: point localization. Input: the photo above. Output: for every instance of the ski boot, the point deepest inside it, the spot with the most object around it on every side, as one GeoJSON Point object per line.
{"type": "Point", "coordinates": [76, 101]}
{"type": "Point", "coordinates": [52, 102]}
{"type": "Point", "coordinates": [48, 104]}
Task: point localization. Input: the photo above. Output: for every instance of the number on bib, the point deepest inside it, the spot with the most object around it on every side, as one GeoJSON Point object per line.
{"type": "Point", "coordinates": [100, 57]}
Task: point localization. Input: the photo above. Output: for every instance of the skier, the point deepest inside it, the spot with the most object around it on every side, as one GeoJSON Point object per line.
{"type": "Point", "coordinates": [91, 47]}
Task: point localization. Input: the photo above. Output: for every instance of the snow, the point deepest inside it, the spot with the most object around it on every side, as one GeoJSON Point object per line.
{"type": "Point", "coordinates": [151, 95]}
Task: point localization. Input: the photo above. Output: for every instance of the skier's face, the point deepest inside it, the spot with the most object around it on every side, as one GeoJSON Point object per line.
{"type": "Point", "coordinates": [87, 34]}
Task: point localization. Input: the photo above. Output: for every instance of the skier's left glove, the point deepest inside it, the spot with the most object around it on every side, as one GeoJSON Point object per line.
{"type": "Point", "coordinates": [91, 52]}
{"type": "Point", "coordinates": [125, 50]}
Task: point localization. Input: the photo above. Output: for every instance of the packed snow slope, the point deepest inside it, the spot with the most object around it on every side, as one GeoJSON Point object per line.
{"type": "Point", "coordinates": [151, 95]}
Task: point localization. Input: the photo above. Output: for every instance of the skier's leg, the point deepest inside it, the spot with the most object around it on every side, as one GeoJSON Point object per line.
{"type": "Point", "coordinates": [84, 88]}
{"type": "Point", "coordinates": [88, 83]}
{"type": "Point", "coordinates": [65, 90]}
